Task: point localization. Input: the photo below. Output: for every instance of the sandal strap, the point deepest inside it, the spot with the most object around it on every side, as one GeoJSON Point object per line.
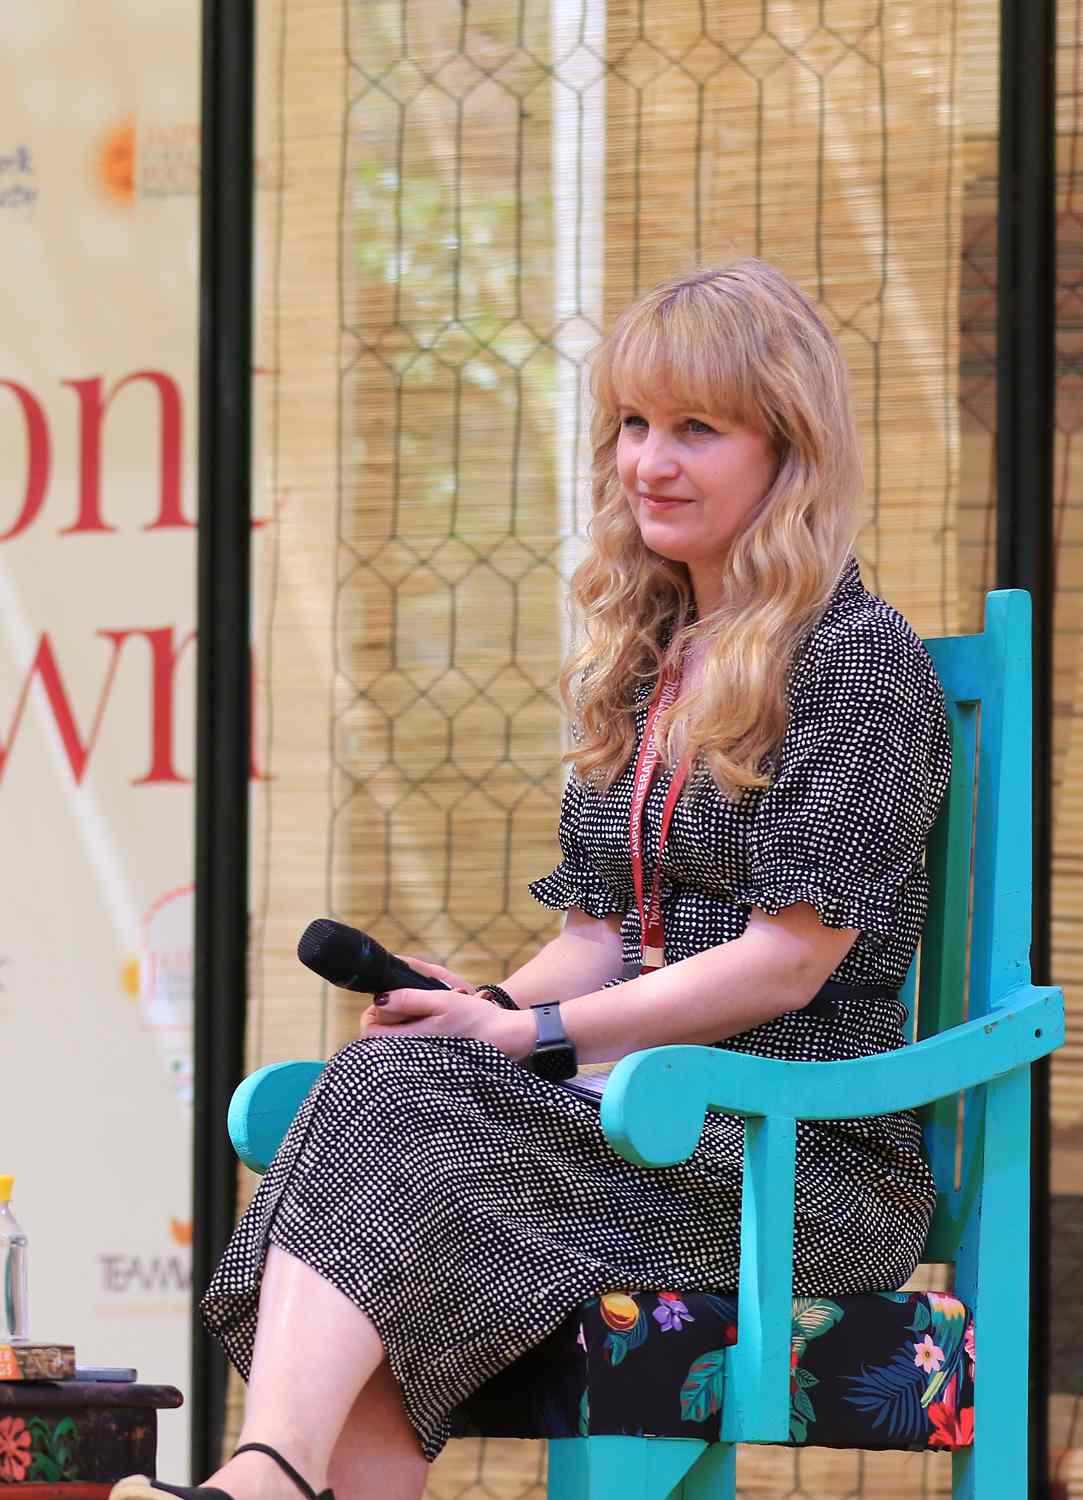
{"type": "Point", "coordinates": [286, 1467]}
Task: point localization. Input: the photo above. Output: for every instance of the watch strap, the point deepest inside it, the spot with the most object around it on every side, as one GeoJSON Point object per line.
{"type": "Point", "coordinates": [551, 1031]}
{"type": "Point", "coordinates": [553, 1056]}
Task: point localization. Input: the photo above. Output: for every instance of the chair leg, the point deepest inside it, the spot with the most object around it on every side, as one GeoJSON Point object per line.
{"type": "Point", "coordinates": [712, 1477]}
{"type": "Point", "coordinates": [633, 1468]}
{"type": "Point", "coordinates": [995, 1468]}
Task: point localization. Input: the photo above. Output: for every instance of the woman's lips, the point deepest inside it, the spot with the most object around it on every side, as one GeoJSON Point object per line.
{"type": "Point", "coordinates": [664, 502]}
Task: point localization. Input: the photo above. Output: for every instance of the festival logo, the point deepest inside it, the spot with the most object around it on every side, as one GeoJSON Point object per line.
{"type": "Point", "coordinates": [160, 979]}
{"type": "Point", "coordinates": [138, 161]}
{"type": "Point", "coordinates": [115, 163]}
{"type": "Point", "coordinates": [169, 161]}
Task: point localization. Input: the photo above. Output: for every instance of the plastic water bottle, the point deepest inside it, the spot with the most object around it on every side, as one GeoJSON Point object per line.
{"type": "Point", "coordinates": [14, 1323]}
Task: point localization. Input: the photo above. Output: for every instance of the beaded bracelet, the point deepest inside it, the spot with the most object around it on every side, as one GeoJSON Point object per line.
{"type": "Point", "coordinates": [496, 996]}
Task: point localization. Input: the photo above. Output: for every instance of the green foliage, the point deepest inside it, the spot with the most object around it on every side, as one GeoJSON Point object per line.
{"type": "Point", "coordinates": [701, 1393]}
{"type": "Point", "coordinates": [811, 1317]}
{"type": "Point", "coordinates": [617, 1345]}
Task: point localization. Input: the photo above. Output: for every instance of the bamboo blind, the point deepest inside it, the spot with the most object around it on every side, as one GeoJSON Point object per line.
{"type": "Point", "coordinates": [465, 196]}
{"type": "Point", "coordinates": [1066, 1436]}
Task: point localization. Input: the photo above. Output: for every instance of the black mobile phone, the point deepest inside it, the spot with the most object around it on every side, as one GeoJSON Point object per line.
{"type": "Point", "coordinates": [587, 1086]}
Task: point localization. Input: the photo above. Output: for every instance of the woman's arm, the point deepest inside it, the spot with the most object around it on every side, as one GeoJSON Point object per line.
{"type": "Point", "coordinates": [585, 956]}
{"type": "Point", "coordinates": [776, 965]}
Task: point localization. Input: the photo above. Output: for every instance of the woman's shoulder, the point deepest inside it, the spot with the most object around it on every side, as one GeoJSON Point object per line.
{"type": "Point", "coordinates": [861, 638]}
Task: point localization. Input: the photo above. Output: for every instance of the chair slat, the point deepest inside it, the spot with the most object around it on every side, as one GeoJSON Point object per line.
{"type": "Point", "coordinates": [943, 952]}
{"type": "Point", "coordinates": [1001, 926]}
{"type": "Point", "coordinates": [979, 864]}
{"type": "Point", "coordinates": [943, 968]}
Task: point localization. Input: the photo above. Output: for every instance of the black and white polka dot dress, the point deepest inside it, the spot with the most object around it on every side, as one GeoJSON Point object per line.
{"type": "Point", "coordinates": [468, 1207]}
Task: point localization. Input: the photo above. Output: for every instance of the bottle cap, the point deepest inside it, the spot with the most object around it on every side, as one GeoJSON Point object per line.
{"type": "Point", "coordinates": [6, 1185]}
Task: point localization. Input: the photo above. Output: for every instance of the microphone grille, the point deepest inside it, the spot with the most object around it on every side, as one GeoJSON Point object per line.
{"type": "Point", "coordinates": [312, 940]}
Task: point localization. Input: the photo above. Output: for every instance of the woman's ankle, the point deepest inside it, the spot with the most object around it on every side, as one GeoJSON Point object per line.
{"type": "Point", "coordinates": [293, 1448]}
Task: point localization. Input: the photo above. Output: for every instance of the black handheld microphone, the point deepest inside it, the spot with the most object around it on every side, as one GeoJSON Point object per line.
{"type": "Point", "coordinates": [355, 961]}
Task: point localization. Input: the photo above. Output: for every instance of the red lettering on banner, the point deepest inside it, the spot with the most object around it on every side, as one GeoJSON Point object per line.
{"type": "Point", "coordinates": [94, 403]}
{"type": "Point", "coordinates": [92, 409]}
{"type": "Point", "coordinates": [166, 651]}
{"type": "Point", "coordinates": [37, 465]}
{"type": "Point", "coordinates": [44, 668]}
{"type": "Point", "coordinates": [165, 656]}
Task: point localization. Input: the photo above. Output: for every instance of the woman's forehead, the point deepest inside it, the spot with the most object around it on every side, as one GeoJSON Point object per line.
{"type": "Point", "coordinates": [662, 400]}
{"type": "Point", "coordinates": [665, 394]}
{"type": "Point", "coordinates": [647, 366]}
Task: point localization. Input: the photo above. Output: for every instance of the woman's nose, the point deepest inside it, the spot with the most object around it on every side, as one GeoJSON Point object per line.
{"type": "Point", "coordinates": [657, 459]}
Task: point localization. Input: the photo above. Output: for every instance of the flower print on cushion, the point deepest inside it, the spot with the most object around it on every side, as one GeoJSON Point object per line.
{"type": "Point", "coordinates": [879, 1370]}
{"type": "Point", "coordinates": [625, 1322]}
{"type": "Point", "coordinates": [671, 1312]}
{"type": "Point", "coordinates": [952, 1426]}
{"type": "Point", "coordinates": [811, 1318]}
{"type": "Point", "coordinates": [901, 1395]}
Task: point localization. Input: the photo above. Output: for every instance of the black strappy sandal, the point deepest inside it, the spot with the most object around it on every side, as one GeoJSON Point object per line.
{"type": "Point", "coordinates": [138, 1487]}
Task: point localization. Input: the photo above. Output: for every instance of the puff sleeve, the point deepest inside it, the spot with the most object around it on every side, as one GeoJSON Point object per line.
{"type": "Point", "coordinates": [859, 778]}
{"type": "Point", "coordinates": [580, 879]}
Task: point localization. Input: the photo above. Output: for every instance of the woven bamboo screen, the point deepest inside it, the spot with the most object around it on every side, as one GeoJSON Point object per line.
{"type": "Point", "coordinates": [465, 196]}
{"type": "Point", "coordinates": [1066, 1323]}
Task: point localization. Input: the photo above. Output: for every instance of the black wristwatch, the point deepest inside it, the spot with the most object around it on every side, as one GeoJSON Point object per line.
{"type": "Point", "coordinates": [553, 1056]}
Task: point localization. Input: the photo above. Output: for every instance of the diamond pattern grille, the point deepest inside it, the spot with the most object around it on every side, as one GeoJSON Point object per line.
{"type": "Point", "coordinates": [515, 172]}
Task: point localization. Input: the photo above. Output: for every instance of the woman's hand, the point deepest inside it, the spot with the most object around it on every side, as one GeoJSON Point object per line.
{"type": "Point", "coordinates": [437, 971]}
{"type": "Point", "coordinates": [449, 1013]}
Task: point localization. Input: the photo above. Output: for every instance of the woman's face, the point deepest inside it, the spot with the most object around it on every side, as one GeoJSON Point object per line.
{"type": "Point", "coordinates": [692, 484]}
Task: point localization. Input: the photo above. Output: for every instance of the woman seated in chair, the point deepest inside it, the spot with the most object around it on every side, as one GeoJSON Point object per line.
{"type": "Point", "coordinates": [759, 751]}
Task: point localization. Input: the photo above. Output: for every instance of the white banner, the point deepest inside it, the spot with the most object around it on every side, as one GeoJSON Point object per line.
{"type": "Point", "coordinates": [99, 148]}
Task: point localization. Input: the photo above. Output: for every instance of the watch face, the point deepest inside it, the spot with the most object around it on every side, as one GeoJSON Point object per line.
{"type": "Point", "coordinates": [553, 1063]}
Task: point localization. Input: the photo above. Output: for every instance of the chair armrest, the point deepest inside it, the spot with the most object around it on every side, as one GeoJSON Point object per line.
{"type": "Point", "coordinates": [655, 1101]}
{"type": "Point", "coordinates": [263, 1107]}
{"type": "Point", "coordinates": [653, 1110]}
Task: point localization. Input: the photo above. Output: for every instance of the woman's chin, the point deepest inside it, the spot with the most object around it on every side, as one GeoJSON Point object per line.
{"type": "Point", "coordinates": [663, 541]}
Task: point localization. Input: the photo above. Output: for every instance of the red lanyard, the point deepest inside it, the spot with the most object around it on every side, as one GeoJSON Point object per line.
{"type": "Point", "coordinates": [650, 920]}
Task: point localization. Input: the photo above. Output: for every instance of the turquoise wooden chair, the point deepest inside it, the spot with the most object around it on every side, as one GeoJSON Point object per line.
{"type": "Point", "coordinates": [977, 1023]}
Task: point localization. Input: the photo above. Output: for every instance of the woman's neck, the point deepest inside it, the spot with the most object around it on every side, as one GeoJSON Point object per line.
{"type": "Point", "coordinates": [708, 586]}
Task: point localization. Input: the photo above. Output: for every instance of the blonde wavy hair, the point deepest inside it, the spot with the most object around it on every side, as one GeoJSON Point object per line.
{"type": "Point", "coordinates": [740, 343]}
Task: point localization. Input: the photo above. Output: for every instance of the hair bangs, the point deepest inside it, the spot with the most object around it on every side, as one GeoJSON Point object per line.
{"type": "Point", "coordinates": [670, 347]}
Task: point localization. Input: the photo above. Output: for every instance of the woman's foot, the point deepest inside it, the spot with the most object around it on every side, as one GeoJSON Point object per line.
{"type": "Point", "coordinates": [255, 1472]}
{"type": "Point", "coordinates": [256, 1476]}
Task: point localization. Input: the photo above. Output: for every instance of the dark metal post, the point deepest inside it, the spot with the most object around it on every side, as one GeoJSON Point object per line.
{"type": "Point", "coordinates": [1025, 425]}
{"type": "Point", "coordinates": [223, 711]}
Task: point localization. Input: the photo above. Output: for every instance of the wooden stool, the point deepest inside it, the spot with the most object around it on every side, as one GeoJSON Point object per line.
{"type": "Point", "coordinates": [73, 1439]}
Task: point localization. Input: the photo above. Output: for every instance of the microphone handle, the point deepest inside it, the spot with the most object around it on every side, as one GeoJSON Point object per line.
{"type": "Point", "coordinates": [399, 976]}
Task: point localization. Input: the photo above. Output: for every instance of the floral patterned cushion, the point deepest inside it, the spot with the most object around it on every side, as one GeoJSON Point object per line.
{"type": "Point", "coordinates": [881, 1370]}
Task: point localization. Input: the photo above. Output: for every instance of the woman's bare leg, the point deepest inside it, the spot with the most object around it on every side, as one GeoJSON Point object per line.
{"type": "Point", "coordinates": [378, 1454]}
{"type": "Point", "coordinates": [314, 1352]}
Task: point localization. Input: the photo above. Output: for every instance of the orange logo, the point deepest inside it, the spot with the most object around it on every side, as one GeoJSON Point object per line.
{"type": "Point", "coordinates": [181, 1231]}
{"type": "Point", "coordinates": [116, 162]}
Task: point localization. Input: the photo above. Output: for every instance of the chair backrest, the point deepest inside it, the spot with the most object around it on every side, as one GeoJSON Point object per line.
{"type": "Point", "coordinates": [976, 946]}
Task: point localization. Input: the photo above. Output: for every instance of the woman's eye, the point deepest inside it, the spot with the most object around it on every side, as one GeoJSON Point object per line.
{"type": "Point", "coordinates": [630, 419]}
{"type": "Point", "coordinates": [695, 425]}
